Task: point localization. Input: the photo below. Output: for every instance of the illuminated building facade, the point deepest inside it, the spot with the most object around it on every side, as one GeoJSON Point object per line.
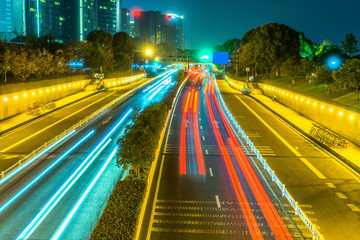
{"type": "Point", "coordinates": [159, 28]}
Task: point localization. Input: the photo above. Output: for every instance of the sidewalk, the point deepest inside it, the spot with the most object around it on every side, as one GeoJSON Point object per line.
{"type": "Point", "coordinates": [351, 155]}
{"type": "Point", "coordinates": [20, 119]}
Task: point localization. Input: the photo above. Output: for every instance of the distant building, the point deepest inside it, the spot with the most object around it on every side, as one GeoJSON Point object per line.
{"type": "Point", "coordinates": [64, 19]}
{"type": "Point", "coordinates": [159, 28]}
{"type": "Point", "coordinates": [11, 18]}
{"type": "Point", "coordinates": [125, 20]}
{"type": "Point", "coordinates": [177, 22]}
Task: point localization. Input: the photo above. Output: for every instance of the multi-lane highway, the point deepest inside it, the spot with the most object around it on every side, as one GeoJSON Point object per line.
{"type": "Point", "coordinates": [326, 190]}
{"type": "Point", "coordinates": [64, 192]}
{"type": "Point", "coordinates": [204, 186]}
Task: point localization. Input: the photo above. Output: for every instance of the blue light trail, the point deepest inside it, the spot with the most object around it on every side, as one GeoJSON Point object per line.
{"type": "Point", "coordinates": [35, 158]}
{"type": "Point", "coordinates": [8, 203]}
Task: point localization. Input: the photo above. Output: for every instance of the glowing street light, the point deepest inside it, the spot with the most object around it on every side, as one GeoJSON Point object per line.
{"type": "Point", "coordinates": [148, 52]}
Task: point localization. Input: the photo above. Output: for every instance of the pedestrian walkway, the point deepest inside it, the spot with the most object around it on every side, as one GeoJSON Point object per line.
{"type": "Point", "coordinates": [22, 118]}
{"type": "Point", "coordinates": [352, 154]}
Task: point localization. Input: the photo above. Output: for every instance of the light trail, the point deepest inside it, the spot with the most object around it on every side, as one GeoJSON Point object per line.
{"type": "Point", "coordinates": [164, 75]}
{"type": "Point", "coordinates": [69, 217]}
{"type": "Point", "coordinates": [5, 179]}
{"type": "Point", "coordinates": [36, 221]}
{"type": "Point", "coordinates": [199, 155]}
{"type": "Point", "coordinates": [183, 138]}
{"type": "Point", "coordinates": [9, 202]}
{"type": "Point", "coordinates": [244, 204]}
{"type": "Point", "coordinates": [271, 215]}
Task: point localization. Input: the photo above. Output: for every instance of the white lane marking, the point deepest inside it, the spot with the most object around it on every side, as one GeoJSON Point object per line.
{"type": "Point", "coordinates": [211, 173]}
{"type": "Point", "coordinates": [288, 145]}
{"type": "Point", "coordinates": [354, 207]}
{"type": "Point", "coordinates": [200, 127]}
{"type": "Point", "coordinates": [341, 195]}
{"type": "Point", "coordinates": [107, 120]}
{"type": "Point", "coordinates": [330, 185]}
{"type": "Point", "coordinates": [200, 119]}
{"type": "Point", "coordinates": [217, 201]}
{"type": "Point", "coordinates": [207, 153]}
{"type": "Point", "coordinates": [203, 138]}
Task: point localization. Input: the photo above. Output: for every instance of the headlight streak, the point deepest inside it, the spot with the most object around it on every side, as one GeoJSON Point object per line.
{"type": "Point", "coordinates": [2, 208]}
{"type": "Point", "coordinates": [46, 209]}
{"type": "Point", "coordinates": [35, 158]}
{"type": "Point", "coordinates": [69, 217]}
{"type": "Point", "coordinates": [164, 75]}
{"type": "Point", "coordinates": [156, 92]}
{"type": "Point", "coordinates": [31, 227]}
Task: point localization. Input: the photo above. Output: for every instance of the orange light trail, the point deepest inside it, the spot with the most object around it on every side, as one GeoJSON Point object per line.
{"type": "Point", "coordinates": [183, 138]}
{"type": "Point", "coordinates": [244, 204]}
{"type": "Point", "coordinates": [271, 215]}
{"type": "Point", "coordinates": [199, 156]}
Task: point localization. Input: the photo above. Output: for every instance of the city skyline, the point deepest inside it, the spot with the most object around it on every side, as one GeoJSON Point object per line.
{"type": "Point", "coordinates": [214, 23]}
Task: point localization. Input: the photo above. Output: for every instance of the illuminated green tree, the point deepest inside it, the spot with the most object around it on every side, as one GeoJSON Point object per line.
{"type": "Point", "coordinates": [349, 45]}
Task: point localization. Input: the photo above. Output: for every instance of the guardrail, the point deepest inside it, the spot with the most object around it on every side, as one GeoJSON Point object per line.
{"type": "Point", "coordinates": [312, 227]}
{"type": "Point", "coordinates": [35, 154]}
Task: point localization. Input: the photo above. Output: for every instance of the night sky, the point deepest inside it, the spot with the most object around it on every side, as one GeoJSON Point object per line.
{"type": "Point", "coordinates": [211, 22]}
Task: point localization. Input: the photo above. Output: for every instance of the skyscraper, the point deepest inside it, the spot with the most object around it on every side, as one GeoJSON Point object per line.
{"type": "Point", "coordinates": [177, 21]}
{"type": "Point", "coordinates": [125, 20]}
{"type": "Point", "coordinates": [64, 19]}
{"type": "Point", "coordinates": [159, 28]}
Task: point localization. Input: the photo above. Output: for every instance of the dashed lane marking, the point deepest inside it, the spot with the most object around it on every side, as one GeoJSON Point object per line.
{"type": "Point", "coordinates": [200, 231]}
{"type": "Point", "coordinates": [207, 152]}
{"type": "Point", "coordinates": [217, 201]}
{"type": "Point", "coordinates": [330, 185]}
{"type": "Point", "coordinates": [287, 144]}
{"type": "Point", "coordinates": [341, 195]}
{"type": "Point", "coordinates": [200, 127]}
{"type": "Point", "coordinates": [211, 173]}
{"type": "Point", "coordinates": [354, 207]}
{"type": "Point", "coordinates": [203, 138]}
{"type": "Point", "coordinates": [196, 222]}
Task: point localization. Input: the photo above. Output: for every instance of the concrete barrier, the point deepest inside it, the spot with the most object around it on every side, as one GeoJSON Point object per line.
{"type": "Point", "coordinates": [342, 120]}
{"type": "Point", "coordinates": [15, 98]}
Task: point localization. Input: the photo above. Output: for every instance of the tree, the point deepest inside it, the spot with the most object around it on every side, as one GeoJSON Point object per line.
{"type": "Point", "coordinates": [229, 46]}
{"type": "Point", "coordinates": [292, 68]}
{"type": "Point", "coordinates": [122, 62]}
{"type": "Point", "coordinates": [22, 67]}
{"type": "Point", "coordinates": [350, 45]}
{"type": "Point", "coordinates": [100, 38]}
{"type": "Point", "coordinates": [44, 62]}
{"type": "Point", "coordinates": [122, 43]}
{"type": "Point", "coordinates": [274, 44]}
{"type": "Point", "coordinates": [348, 76]}
{"type": "Point", "coordinates": [98, 58]}
{"type": "Point", "coordinates": [323, 76]}
{"type": "Point", "coordinates": [6, 59]}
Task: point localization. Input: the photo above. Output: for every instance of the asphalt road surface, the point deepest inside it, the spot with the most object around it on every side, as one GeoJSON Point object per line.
{"type": "Point", "coordinates": [327, 191]}
{"type": "Point", "coordinates": [203, 188]}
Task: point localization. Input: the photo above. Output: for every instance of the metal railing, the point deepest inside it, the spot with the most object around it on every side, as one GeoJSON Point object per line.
{"type": "Point", "coordinates": [312, 227]}
{"type": "Point", "coordinates": [57, 139]}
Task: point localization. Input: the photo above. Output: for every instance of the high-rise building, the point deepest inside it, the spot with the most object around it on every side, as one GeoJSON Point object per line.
{"type": "Point", "coordinates": [159, 28]}
{"type": "Point", "coordinates": [125, 20]}
{"type": "Point", "coordinates": [109, 16]}
{"type": "Point", "coordinates": [177, 21]}
{"type": "Point", "coordinates": [48, 17]}
{"type": "Point", "coordinates": [64, 19]}
{"type": "Point", "coordinates": [11, 18]}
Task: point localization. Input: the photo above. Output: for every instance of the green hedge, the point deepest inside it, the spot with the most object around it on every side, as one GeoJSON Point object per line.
{"type": "Point", "coordinates": [119, 219]}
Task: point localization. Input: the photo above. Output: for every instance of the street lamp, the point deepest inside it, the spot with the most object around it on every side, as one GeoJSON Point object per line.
{"type": "Point", "coordinates": [148, 52]}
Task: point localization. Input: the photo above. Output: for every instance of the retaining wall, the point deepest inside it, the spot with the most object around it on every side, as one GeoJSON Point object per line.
{"type": "Point", "coordinates": [344, 121]}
